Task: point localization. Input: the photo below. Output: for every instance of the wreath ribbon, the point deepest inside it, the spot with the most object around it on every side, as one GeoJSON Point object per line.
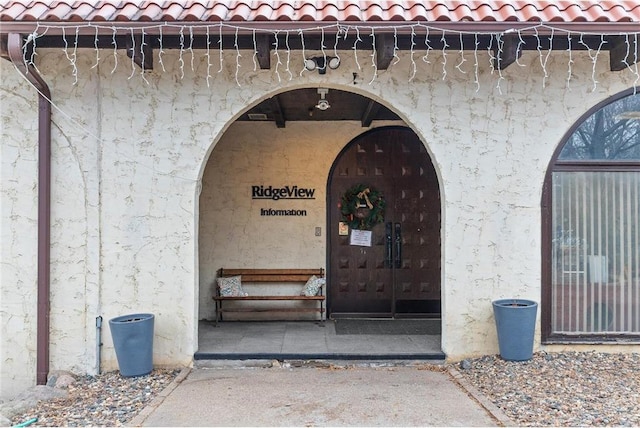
{"type": "Point", "coordinates": [365, 195]}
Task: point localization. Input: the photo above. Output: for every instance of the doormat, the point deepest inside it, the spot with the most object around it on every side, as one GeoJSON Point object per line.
{"type": "Point", "coordinates": [388, 326]}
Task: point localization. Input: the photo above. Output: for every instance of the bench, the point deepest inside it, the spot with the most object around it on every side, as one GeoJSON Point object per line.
{"type": "Point", "coordinates": [275, 277]}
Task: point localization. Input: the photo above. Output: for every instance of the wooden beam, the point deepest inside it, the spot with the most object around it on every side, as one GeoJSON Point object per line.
{"type": "Point", "coordinates": [4, 47]}
{"type": "Point", "coordinates": [623, 52]}
{"type": "Point", "coordinates": [140, 52]}
{"type": "Point", "coordinates": [278, 115]}
{"type": "Point", "coordinates": [369, 114]}
{"type": "Point", "coordinates": [384, 50]}
{"type": "Point", "coordinates": [503, 58]}
{"type": "Point", "coordinates": [263, 48]}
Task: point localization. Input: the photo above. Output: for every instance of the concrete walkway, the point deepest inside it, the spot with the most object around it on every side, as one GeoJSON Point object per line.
{"type": "Point", "coordinates": [277, 394]}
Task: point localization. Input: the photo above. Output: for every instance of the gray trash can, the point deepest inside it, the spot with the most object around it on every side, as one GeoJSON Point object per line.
{"type": "Point", "coordinates": [133, 341]}
{"type": "Point", "coordinates": [516, 324]}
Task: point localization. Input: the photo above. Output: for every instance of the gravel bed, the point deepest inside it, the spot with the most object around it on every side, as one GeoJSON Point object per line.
{"type": "Point", "coordinates": [108, 399]}
{"type": "Point", "coordinates": [561, 389]}
{"type": "Point", "coordinates": [552, 389]}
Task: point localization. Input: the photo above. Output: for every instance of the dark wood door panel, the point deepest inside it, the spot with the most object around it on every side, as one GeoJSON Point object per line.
{"type": "Point", "coordinates": [394, 162]}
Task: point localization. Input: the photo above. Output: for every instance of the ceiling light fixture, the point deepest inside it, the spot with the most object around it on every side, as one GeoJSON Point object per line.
{"type": "Point", "coordinates": [321, 62]}
{"type": "Point", "coordinates": [323, 104]}
{"type": "Point", "coordinates": [257, 116]}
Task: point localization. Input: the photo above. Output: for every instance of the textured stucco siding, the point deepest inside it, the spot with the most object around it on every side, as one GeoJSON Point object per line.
{"type": "Point", "coordinates": [130, 158]}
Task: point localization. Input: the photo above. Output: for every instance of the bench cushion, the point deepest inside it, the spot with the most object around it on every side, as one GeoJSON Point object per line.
{"type": "Point", "coordinates": [313, 286]}
{"type": "Point", "coordinates": [231, 286]}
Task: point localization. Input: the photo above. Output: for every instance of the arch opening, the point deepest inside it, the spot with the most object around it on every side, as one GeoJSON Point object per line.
{"type": "Point", "coordinates": [254, 154]}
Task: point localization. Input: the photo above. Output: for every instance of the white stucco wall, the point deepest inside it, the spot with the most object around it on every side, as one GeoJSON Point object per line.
{"type": "Point", "coordinates": [128, 157]}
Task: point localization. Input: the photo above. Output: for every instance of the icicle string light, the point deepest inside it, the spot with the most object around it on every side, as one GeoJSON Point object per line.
{"type": "Point", "coordinates": [476, 78]}
{"type": "Point", "coordinates": [286, 42]}
{"type": "Point", "coordinates": [500, 46]}
{"type": "Point", "coordinates": [95, 46]}
{"type": "Point", "coordinates": [414, 67]}
{"type": "Point", "coordinates": [115, 50]}
{"type": "Point", "coordinates": [255, 49]}
{"type": "Point", "coordinates": [595, 60]}
{"type": "Point", "coordinates": [32, 38]}
{"type": "Point", "coordinates": [492, 58]}
{"type": "Point", "coordinates": [323, 47]}
{"type": "Point", "coordinates": [208, 55]}
{"type": "Point", "coordinates": [161, 52]}
{"type": "Point", "coordinates": [570, 63]}
{"type": "Point", "coordinates": [335, 45]}
{"type": "Point", "coordinates": [635, 59]}
{"type": "Point", "coordinates": [374, 59]}
{"type": "Point", "coordinates": [546, 59]}
{"type": "Point", "coordinates": [462, 59]}
{"type": "Point", "coordinates": [445, 45]}
{"type": "Point", "coordinates": [190, 49]}
{"type": "Point", "coordinates": [355, 47]}
{"type": "Point", "coordinates": [25, 46]}
{"type": "Point", "coordinates": [277, 55]}
{"type": "Point", "coordinates": [142, 44]}
{"type": "Point", "coordinates": [541, 58]}
{"type": "Point", "coordinates": [133, 54]}
{"type": "Point", "coordinates": [353, 30]}
{"type": "Point", "coordinates": [425, 58]}
{"type": "Point", "coordinates": [627, 51]}
{"type": "Point", "coordinates": [395, 46]}
{"type": "Point", "coordinates": [220, 47]}
{"type": "Point", "coordinates": [235, 44]}
{"type": "Point", "coordinates": [66, 50]}
{"type": "Point", "coordinates": [180, 57]}
{"type": "Point", "coordinates": [521, 43]}
{"type": "Point", "coordinates": [75, 57]}
{"type": "Point", "coordinates": [304, 55]}
{"type": "Point", "coordinates": [24, 53]}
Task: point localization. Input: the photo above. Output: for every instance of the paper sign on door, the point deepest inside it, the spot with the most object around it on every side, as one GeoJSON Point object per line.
{"type": "Point", "coordinates": [361, 238]}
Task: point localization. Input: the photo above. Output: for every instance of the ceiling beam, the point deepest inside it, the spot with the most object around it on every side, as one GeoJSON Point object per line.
{"type": "Point", "coordinates": [263, 51]}
{"type": "Point", "coordinates": [278, 114]}
{"type": "Point", "coordinates": [4, 47]}
{"type": "Point", "coordinates": [508, 53]}
{"type": "Point", "coordinates": [384, 50]}
{"type": "Point", "coordinates": [369, 113]}
{"type": "Point", "coordinates": [624, 52]}
{"type": "Point", "coordinates": [142, 54]}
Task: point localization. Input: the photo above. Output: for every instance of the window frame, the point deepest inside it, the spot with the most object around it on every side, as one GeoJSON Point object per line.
{"type": "Point", "coordinates": [557, 165]}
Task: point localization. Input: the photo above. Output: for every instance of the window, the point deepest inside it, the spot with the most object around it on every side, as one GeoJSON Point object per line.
{"type": "Point", "coordinates": [591, 220]}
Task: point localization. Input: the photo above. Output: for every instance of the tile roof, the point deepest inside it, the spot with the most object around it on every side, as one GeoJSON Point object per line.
{"type": "Point", "coordinates": [322, 11]}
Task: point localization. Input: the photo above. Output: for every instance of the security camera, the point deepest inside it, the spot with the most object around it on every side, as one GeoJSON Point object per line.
{"type": "Point", "coordinates": [323, 105]}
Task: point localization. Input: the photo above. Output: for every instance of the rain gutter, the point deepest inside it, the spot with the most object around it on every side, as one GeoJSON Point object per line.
{"type": "Point", "coordinates": [319, 27]}
{"type": "Point", "coordinates": [15, 53]}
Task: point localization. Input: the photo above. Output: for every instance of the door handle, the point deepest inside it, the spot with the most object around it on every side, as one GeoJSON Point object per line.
{"type": "Point", "coordinates": [388, 260]}
{"type": "Point", "coordinates": [398, 259]}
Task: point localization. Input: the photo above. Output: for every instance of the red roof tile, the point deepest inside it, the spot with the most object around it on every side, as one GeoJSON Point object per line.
{"type": "Point", "coordinates": [323, 11]}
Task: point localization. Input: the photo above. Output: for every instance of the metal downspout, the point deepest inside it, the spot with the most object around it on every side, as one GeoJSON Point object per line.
{"type": "Point", "coordinates": [14, 48]}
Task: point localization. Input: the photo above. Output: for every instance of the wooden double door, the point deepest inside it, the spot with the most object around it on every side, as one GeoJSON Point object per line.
{"type": "Point", "coordinates": [398, 275]}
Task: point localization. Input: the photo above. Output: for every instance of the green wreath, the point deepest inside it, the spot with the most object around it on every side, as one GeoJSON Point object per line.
{"type": "Point", "coordinates": [362, 207]}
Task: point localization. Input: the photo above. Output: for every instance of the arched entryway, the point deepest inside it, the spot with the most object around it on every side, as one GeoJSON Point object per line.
{"type": "Point", "coordinates": [394, 269]}
{"type": "Point", "coordinates": [308, 154]}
